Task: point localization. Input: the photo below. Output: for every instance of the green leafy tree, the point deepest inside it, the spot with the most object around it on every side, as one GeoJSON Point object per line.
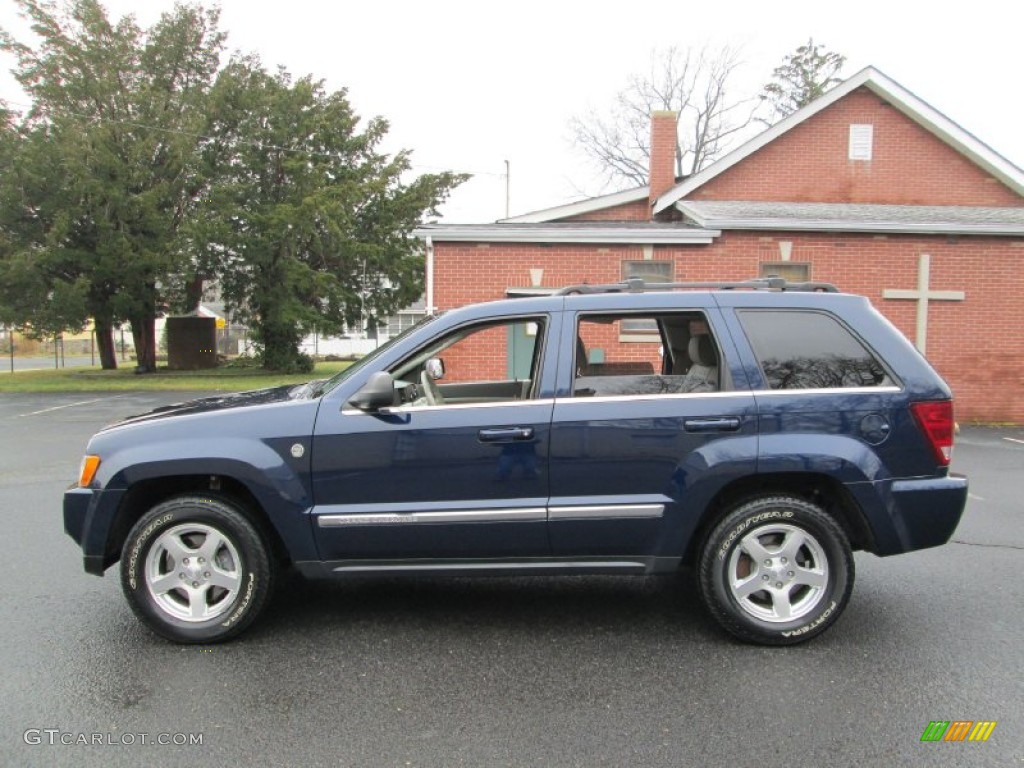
{"type": "Point", "coordinates": [306, 223]}
{"type": "Point", "coordinates": [802, 77]}
{"type": "Point", "coordinates": [108, 168]}
{"type": "Point", "coordinates": [41, 291]}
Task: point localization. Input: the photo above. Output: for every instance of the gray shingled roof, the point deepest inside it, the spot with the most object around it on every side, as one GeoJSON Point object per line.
{"type": "Point", "coordinates": [854, 217]}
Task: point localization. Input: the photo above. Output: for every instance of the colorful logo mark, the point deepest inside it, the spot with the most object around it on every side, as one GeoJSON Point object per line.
{"type": "Point", "coordinates": [958, 730]}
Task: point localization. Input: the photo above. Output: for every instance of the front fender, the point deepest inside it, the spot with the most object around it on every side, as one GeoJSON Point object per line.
{"type": "Point", "coordinates": [268, 468]}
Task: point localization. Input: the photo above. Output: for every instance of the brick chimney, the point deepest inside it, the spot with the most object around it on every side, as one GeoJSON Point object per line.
{"type": "Point", "coordinates": [663, 154]}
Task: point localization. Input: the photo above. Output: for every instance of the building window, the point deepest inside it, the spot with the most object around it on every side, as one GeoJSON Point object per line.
{"type": "Point", "coordinates": [792, 271]}
{"type": "Point", "coordinates": [861, 139]}
{"type": "Point", "coordinates": [649, 272]}
{"type": "Point", "coordinates": [402, 321]}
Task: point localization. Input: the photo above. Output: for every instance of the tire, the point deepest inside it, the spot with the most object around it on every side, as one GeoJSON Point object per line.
{"type": "Point", "coordinates": [747, 576]}
{"type": "Point", "coordinates": [195, 570]}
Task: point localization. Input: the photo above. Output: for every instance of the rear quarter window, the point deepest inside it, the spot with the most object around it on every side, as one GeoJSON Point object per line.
{"type": "Point", "coordinates": [810, 350]}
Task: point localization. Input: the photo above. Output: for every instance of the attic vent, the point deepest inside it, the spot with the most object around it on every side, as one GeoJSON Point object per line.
{"type": "Point", "coordinates": [861, 137]}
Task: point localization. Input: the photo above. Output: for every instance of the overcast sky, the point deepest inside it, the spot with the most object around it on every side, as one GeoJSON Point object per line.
{"type": "Point", "coordinates": [468, 85]}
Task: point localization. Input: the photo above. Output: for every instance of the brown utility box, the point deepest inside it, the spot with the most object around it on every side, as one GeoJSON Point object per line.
{"type": "Point", "coordinates": [191, 343]}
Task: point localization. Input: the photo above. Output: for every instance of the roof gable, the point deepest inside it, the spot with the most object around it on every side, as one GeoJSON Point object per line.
{"type": "Point", "coordinates": [977, 152]}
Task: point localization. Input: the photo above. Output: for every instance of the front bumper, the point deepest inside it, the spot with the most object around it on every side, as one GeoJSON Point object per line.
{"type": "Point", "coordinates": [76, 508]}
{"type": "Point", "coordinates": [88, 516]}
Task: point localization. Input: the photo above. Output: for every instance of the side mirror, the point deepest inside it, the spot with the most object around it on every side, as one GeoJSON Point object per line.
{"type": "Point", "coordinates": [435, 368]}
{"type": "Point", "coordinates": [378, 392]}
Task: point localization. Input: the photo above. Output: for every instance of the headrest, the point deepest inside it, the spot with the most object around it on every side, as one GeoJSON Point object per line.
{"type": "Point", "coordinates": [702, 350]}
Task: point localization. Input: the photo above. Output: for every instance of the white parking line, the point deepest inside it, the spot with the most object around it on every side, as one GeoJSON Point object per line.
{"type": "Point", "coordinates": [975, 496]}
{"type": "Point", "coordinates": [1014, 440]}
{"type": "Point", "coordinates": [58, 407]}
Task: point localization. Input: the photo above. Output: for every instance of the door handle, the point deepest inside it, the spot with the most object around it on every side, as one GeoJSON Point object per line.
{"type": "Point", "coordinates": [505, 434]}
{"type": "Point", "coordinates": [713, 424]}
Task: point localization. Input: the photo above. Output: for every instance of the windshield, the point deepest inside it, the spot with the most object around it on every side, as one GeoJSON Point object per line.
{"type": "Point", "coordinates": [326, 386]}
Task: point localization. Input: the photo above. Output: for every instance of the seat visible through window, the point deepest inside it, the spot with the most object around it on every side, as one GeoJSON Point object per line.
{"type": "Point", "coordinates": [703, 373]}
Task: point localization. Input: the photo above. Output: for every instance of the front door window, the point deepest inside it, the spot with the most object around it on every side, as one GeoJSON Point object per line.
{"type": "Point", "coordinates": [487, 363]}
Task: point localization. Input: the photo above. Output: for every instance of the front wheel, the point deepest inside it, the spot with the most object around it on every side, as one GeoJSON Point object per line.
{"type": "Point", "coordinates": [776, 570]}
{"type": "Point", "coordinates": [195, 570]}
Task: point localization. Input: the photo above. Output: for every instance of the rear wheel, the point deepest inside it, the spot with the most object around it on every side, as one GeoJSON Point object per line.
{"type": "Point", "coordinates": [776, 570]}
{"type": "Point", "coordinates": [196, 570]}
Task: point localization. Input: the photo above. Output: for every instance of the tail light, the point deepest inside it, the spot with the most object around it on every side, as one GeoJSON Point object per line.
{"type": "Point", "coordinates": [935, 418]}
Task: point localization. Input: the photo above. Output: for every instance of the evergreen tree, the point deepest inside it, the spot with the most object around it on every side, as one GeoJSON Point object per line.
{"type": "Point", "coordinates": [802, 77]}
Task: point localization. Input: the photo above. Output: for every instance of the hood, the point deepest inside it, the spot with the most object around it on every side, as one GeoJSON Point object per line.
{"type": "Point", "coordinates": [223, 402]}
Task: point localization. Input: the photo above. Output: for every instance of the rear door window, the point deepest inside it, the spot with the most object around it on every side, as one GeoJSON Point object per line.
{"type": "Point", "coordinates": [678, 355]}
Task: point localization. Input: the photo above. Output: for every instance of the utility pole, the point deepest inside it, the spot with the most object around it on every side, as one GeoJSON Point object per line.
{"type": "Point", "coordinates": [362, 306]}
{"type": "Point", "coordinates": [508, 186]}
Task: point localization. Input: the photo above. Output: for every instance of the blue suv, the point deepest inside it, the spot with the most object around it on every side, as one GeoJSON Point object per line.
{"type": "Point", "coordinates": [757, 432]}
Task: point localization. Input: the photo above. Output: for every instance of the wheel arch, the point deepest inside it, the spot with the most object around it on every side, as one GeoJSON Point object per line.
{"type": "Point", "coordinates": [145, 494]}
{"type": "Point", "coordinates": [820, 489]}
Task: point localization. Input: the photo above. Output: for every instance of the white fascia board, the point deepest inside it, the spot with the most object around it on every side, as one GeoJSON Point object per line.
{"type": "Point", "coordinates": [589, 205]}
{"type": "Point", "coordinates": [900, 98]}
{"type": "Point", "coordinates": [498, 233]}
{"type": "Point", "coordinates": [834, 225]}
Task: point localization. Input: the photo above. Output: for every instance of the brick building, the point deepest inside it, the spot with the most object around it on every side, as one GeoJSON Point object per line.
{"type": "Point", "coordinates": [868, 187]}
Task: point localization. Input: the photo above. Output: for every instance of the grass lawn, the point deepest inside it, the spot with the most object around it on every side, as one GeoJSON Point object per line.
{"type": "Point", "coordinates": [225, 379]}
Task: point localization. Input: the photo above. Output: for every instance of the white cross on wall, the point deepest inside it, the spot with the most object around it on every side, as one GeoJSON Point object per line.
{"type": "Point", "coordinates": [923, 295]}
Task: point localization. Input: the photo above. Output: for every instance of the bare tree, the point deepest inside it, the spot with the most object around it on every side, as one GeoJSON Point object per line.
{"type": "Point", "coordinates": [695, 84]}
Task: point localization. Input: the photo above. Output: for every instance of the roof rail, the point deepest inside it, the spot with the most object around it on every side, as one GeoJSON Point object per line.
{"type": "Point", "coordinates": [638, 285]}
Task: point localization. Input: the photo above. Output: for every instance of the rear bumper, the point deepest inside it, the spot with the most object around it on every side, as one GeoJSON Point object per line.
{"type": "Point", "coordinates": [923, 513]}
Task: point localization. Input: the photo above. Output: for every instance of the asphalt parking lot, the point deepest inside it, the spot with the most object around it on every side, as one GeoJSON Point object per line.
{"type": "Point", "coordinates": [503, 672]}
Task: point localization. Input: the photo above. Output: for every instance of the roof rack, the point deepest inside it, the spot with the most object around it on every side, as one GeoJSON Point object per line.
{"type": "Point", "coordinates": [638, 285]}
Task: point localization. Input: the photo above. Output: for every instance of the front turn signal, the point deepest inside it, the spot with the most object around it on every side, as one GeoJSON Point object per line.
{"type": "Point", "coordinates": [88, 470]}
